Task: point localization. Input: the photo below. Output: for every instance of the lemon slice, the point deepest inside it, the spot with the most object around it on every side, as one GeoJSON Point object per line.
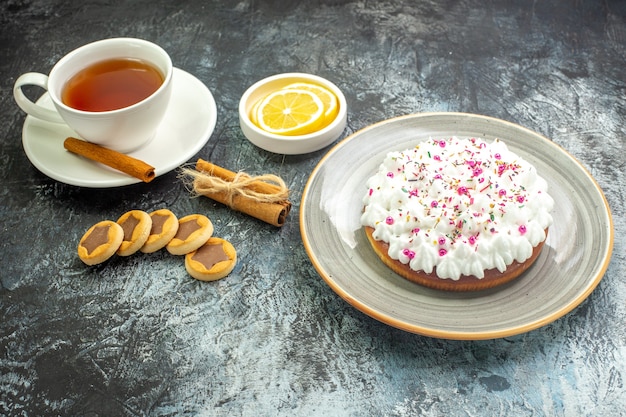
{"type": "Point", "coordinates": [290, 112]}
{"type": "Point", "coordinates": [331, 104]}
{"type": "Point", "coordinates": [254, 111]}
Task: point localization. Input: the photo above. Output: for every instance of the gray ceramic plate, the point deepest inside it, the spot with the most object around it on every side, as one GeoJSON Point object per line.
{"type": "Point", "coordinates": [571, 265]}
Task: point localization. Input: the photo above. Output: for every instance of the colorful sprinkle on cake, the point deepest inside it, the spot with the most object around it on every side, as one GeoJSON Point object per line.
{"type": "Point", "coordinates": [458, 206]}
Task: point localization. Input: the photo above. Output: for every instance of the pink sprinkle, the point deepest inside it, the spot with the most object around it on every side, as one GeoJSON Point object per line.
{"type": "Point", "coordinates": [472, 240]}
{"type": "Point", "coordinates": [437, 158]}
{"type": "Point", "coordinates": [520, 198]}
{"type": "Point", "coordinates": [462, 190]}
{"type": "Point", "coordinates": [501, 169]}
{"type": "Point", "coordinates": [389, 220]}
{"type": "Point", "coordinates": [442, 252]}
{"type": "Point", "coordinates": [437, 176]}
{"type": "Point", "coordinates": [522, 229]}
{"type": "Point", "coordinates": [413, 193]}
{"type": "Point", "coordinates": [497, 156]}
{"type": "Point", "coordinates": [390, 174]}
{"type": "Point", "coordinates": [416, 230]}
{"type": "Point", "coordinates": [434, 203]}
{"type": "Point", "coordinates": [442, 240]}
{"type": "Point", "coordinates": [471, 163]}
{"type": "Point", "coordinates": [442, 143]}
{"type": "Point", "coordinates": [502, 192]}
{"type": "Point", "coordinates": [408, 253]}
{"type": "Point", "coordinates": [477, 172]}
{"type": "Point", "coordinates": [371, 191]}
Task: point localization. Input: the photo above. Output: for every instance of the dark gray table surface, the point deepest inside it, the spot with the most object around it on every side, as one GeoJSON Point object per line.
{"type": "Point", "coordinates": [138, 336]}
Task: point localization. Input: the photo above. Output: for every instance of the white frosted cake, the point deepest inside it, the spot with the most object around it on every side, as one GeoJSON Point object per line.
{"type": "Point", "coordinates": [457, 214]}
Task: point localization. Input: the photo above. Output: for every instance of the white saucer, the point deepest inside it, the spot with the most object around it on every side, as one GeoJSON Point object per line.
{"type": "Point", "coordinates": [188, 124]}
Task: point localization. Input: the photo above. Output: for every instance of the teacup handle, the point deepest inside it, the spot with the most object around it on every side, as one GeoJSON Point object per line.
{"type": "Point", "coordinates": [34, 109]}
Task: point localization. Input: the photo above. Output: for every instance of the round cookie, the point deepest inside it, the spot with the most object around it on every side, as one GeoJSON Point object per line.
{"type": "Point", "coordinates": [212, 261]}
{"type": "Point", "coordinates": [164, 228]}
{"type": "Point", "coordinates": [193, 231]}
{"type": "Point", "coordinates": [100, 242]}
{"type": "Point", "coordinates": [136, 225]}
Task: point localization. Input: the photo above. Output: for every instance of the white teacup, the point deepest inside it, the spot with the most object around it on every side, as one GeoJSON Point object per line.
{"type": "Point", "coordinates": [123, 129]}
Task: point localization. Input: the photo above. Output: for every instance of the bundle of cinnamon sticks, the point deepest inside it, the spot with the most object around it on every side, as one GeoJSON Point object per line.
{"type": "Point", "coordinates": [263, 197]}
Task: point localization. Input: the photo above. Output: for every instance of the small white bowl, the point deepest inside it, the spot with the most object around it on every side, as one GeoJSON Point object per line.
{"type": "Point", "coordinates": [290, 145]}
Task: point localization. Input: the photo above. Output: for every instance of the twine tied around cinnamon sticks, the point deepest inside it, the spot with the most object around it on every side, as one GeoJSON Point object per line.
{"type": "Point", "coordinates": [240, 185]}
{"type": "Point", "coordinates": [263, 197]}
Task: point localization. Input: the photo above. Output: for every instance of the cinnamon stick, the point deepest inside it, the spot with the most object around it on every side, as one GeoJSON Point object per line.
{"type": "Point", "coordinates": [116, 160]}
{"type": "Point", "coordinates": [253, 196]}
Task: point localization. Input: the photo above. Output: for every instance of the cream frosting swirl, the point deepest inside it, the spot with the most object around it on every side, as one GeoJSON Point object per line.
{"type": "Point", "coordinates": [458, 206]}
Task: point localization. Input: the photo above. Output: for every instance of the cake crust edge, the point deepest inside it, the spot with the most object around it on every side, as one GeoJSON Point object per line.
{"type": "Point", "coordinates": [465, 283]}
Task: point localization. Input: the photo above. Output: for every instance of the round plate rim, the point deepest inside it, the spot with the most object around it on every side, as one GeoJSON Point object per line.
{"type": "Point", "coordinates": [433, 331]}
